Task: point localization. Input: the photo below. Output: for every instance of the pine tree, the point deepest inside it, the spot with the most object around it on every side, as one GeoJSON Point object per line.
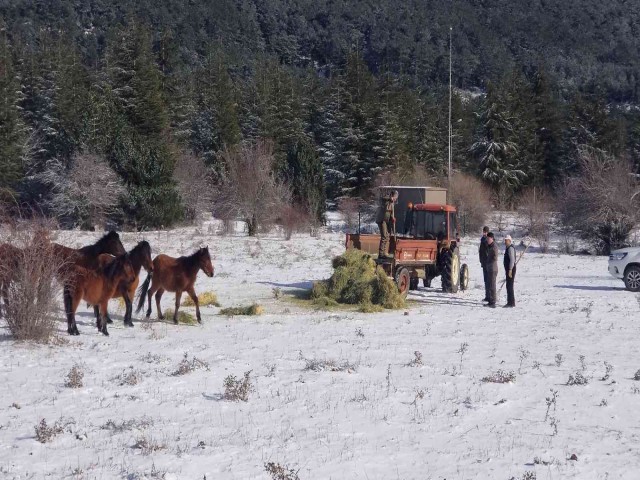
{"type": "Point", "coordinates": [496, 153]}
{"type": "Point", "coordinates": [11, 126]}
{"type": "Point", "coordinates": [304, 172]}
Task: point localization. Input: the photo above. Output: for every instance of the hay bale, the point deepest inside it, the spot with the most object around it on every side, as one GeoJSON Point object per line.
{"type": "Point", "coordinates": [254, 309]}
{"type": "Point", "coordinates": [204, 299]}
{"type": "Point", "coordinates": [357, 281]}
{"type": "Point", "coordinates": [183, 317]}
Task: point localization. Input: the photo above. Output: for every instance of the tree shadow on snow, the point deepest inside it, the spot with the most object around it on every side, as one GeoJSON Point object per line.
{"type": "Point", "coordinates": [600, 288]}
{"type": "Point", "coordinates": [308, 285]}
{"type": "Point", "coordinates": [438, 297]}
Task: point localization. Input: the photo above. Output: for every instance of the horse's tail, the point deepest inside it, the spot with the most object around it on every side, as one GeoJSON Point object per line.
{"type": "Point", "coordinates": [142, 291]}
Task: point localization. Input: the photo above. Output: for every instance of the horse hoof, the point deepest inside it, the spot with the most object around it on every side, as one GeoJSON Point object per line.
{"type": "Point", "coordinates": [105, 333]}
{"type": "Point", "coordinates": [109, 320]}
{"type": "Point", "coordinates": [199, 321]}
{"type": "Point", "coordinates": [129, 324]}
{"type": "Point", "coordinates": [175, 321]}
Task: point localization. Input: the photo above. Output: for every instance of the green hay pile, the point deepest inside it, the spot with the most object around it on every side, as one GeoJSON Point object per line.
{"type": "Point", "coordinates": [357, 281]}
{"type": "Point", "coordinates": [254, 309]}
{"type": "Point", "coordinates": [183, 317]}
{"type": "Point", "coordinates": [204, 299]}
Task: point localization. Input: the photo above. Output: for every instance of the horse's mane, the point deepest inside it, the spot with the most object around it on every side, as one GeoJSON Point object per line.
{"type": "Point", "coordinates": [194, 259]}
{"type": "Point", "coordinates": [100, 243]}
{"type": "Point", "coordinates": [140, 247]}
{"type": "Point", "coordinates": [112, 269]}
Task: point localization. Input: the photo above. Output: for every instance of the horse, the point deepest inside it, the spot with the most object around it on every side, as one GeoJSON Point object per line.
{"type": "Point", "coordinates": [140, 257]}
{"type": "Point", "coordinates": [175, 275]}
{"type": "Point", "coordinates": [87, 256]}
{"type": "Point", "coordinates": [96, 287]}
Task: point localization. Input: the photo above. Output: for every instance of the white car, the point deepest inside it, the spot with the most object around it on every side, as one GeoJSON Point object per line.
{"type": "Point", "coordinates": [625, 265]}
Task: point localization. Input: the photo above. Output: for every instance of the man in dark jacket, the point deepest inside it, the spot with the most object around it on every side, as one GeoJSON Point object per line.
{"type": "Point", "coordinates": [510, 270]}
{"type": "Point", "coordinates": [408, 220]}
{"type": "Point", "coordinates": [492, 269]}
{"type": "Point", "coordinates": [482, 251]}
{"type": "Point", "coordinates": [386, 220]}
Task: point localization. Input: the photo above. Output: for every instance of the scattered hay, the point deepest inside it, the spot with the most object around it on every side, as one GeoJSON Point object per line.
{"type": "Point", "coordinates": [254, 309]}
{"type": "Point", "coordinates": [183, 317]}
{"type": "Point", "coordinates": [204, 299]}
{"type": "Point", "coordinates": [357, 281]}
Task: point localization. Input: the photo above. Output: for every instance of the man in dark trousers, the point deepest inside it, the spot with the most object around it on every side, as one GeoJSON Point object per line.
{"type": "Point", "coordinates": [510, 270]}
{"type": "Point", "coordinates": [482, 251]}
{"type": "Point", "coordinates": [492, 269]}
{"type": "Point", "coordinates": [386, 220]}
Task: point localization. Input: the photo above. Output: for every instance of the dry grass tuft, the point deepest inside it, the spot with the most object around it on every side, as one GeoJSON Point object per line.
{"type": "Point", "coordinates": [46, 433]}
{"type": "Point", "coordinates": [235, 389]}
{"type": "Point", "coordinates": [74, 378]}
{"type": "Point", "coordinates": [500, 377]}
{"type": "Point", "coordinates": [183, 317]}
{"type": "Point", "coordinates": [280, 472]}
{"type": "Point", "coordinates": [254, 309]}
{"type": "Point", "coordinates": [188, 366]}
{"type": "Point", "coordinates": [204, 299]}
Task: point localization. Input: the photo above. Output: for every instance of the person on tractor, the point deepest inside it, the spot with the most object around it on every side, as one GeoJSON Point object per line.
{"type": "Point", "coordinates": [386, 220]}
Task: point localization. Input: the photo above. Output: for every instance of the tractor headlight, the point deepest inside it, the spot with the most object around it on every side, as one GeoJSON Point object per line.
{"type": "Point", "coordinates": [617, 256]}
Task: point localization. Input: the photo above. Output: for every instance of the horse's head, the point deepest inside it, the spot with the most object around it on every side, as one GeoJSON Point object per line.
{"type": "Point", "coordinates": [147, 263]}
{"type": "Point", "coordinates": [111, 243]}
{"type": "Point", "coordinates": [205, 261]}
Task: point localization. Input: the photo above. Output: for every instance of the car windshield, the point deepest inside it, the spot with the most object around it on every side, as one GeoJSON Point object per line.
{"type": "Point", "coordinates": [431, 225]}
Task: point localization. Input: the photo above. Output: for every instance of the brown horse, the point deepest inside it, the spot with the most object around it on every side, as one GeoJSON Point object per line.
{"type": "Point", "coordinates": [96, 287]}
{"type": "Point", "coordinates": [175, 275]}
{"type": "Point", "coordinates": [87, 256]}
{"type": "Point", "coordinates": [140, 257]}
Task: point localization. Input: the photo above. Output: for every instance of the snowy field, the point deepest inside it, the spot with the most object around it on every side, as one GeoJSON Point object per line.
{"type": "Point", "coordinates": [390, 413]}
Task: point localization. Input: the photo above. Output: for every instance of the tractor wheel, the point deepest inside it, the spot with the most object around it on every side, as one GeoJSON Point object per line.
{"type": "Point", "coordinates": [632, 278]}
{"type": "Point", "coordinates": [451, 271]}
{"type": "Point", "coordinates": [403, 281]}
{"type": "Point", "coordinates": [413, 284]}
{"type": "Point", "coordinates": [464, 277]}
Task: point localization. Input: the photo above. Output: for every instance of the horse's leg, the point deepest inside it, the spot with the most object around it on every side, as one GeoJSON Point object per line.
{"type": "Point", "coordinates": [70, 307]}
{"type": "Point", "coordinates": [175, 312]}
{"type": "Point", "coordinates": [158, 297]}
{"type": "Point", "coordinates": [150, 293]}
{"type": "Point", "coordinates": [103, 318]}
{"type": "Point", "coordinates": [192, 293]}
{"type": "Point", "coordinates": [129, 310]}
{"type": "Point", "coordinates": [96, 311]}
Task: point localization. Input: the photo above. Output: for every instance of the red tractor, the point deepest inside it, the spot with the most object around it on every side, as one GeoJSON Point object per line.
{"type": "Point", "coordinates": [425, 243]}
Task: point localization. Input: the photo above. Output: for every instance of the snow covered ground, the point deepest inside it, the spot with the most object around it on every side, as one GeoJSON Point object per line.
{"type": "Point", "coordinates": [391, 414]}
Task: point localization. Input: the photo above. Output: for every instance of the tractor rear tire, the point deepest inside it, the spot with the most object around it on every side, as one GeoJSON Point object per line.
{"type": "Point", "coordinates": [403, 281]}
{"type": "Point", "coordinates": [464, 277]}
{"type": "Point", "coordinates": [451, 271]}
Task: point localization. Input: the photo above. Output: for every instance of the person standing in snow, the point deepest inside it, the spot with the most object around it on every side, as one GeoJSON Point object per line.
{"type": "Point", "coordinates": [510, 270]}
{"type": "Point", "coordinates": [492, 269]}
{"type": "Point", "coordinates": [386, 220]}
{"type": "Point", "coordinates": [482, 251]}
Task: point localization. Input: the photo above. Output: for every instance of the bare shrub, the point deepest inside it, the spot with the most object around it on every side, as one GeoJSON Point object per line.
{"type": "Point", "coordinates": [294, 220]}
{"type": "Point", "coordinates": [127, 425]}
{"type": "Point", "coordinates": [46, 433]}
{"type": "Point", "coordinates": [194, 181]}
{"type": "Point", "coordinates": [535, 206]}
{"type": "Point", "coordinates": [148, 445]}
{"type": "Point", "coordinates": [281, 472]}
{"type": "Point", "coordinates": [601, 202]}
{"type": "Point", "coordinates": [251, 190]}
{"type": "Point", "coordinates": [500, 377]}
{"type": "Point", "coordinates": [86, 194]}
{"type": "Point", "coordinates": [129, 377]}
{"type": "Point", "coordinates": [29, 279]}
{"type": "Point", "coordinates": [577, 379]}
{"type": "Point", "coordinates": [472, 198]}
{"type": "Point", "coordinates": [354, 212]}
{"type": "Point", "coordinates": [188, 366]}
{"type": "Point", "coordinates": [235, 389]}
{"type": "Point", "coordinates": [636, 376]}
{"type": "Point", "coordinates": [74, 378]}
{"type": "Point", "coordinates": [417, 360]}
{"type": "Point", "coordinates": [323, 365]}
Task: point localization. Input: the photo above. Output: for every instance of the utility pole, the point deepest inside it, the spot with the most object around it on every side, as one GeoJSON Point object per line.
{"type": "Point", "coordinates": [450, 95]}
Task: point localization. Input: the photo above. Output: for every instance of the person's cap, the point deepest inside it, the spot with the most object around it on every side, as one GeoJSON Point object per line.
{"type": "Point", "coordinates": [508, 237]}
{"type": "Point", "coordinates": [490, 234]}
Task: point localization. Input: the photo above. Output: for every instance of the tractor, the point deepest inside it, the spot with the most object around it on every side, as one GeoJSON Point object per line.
{"type": "Point", "coordinates": [424, 244]}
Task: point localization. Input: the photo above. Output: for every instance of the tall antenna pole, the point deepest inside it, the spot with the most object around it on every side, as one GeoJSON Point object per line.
{"type": "Point", "coordinates": [450, 94]}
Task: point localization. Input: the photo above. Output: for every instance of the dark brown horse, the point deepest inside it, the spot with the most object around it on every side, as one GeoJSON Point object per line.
{"type": "Point", "coordinates": [175, 275]}
{"type": "Point", "coordinates": [140, 257]}
{"type": "Point", "coordinates": [96, 287]}
{"type": "Point", "coordinates": [87, 256]}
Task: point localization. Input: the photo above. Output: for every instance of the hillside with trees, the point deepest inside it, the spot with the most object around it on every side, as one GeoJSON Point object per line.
{"type": "Point", "coordinates": [344, 92]}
